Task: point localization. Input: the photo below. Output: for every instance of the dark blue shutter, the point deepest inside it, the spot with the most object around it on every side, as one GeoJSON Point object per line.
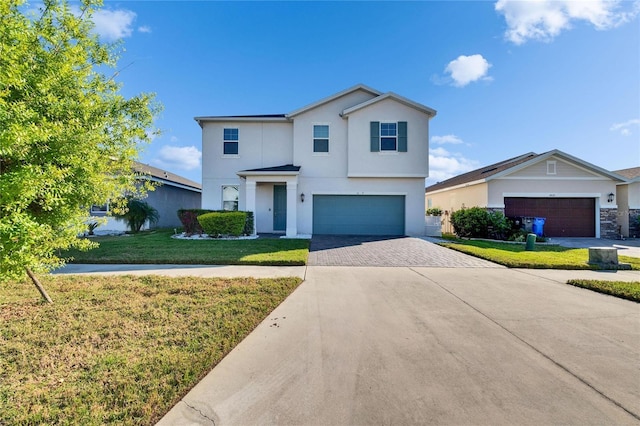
{"type": "Point", "coordinates": [375, 136]}
{"type": "Point", "coordinates": [402, 136]}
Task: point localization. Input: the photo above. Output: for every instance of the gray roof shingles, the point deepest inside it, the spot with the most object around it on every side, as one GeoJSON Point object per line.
{"type": "Point", "coordinates": [481, 173]}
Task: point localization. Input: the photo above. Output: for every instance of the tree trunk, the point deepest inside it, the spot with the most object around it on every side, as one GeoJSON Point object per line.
{"type": "Point", "coordinates": [41, 289]}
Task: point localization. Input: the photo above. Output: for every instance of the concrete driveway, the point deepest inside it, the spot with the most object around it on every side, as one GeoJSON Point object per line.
{"type": "Point", "coordinates": [425, 345]}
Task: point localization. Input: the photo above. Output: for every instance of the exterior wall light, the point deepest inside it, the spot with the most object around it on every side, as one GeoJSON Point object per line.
{"type": "Point", "coordinates": [610, 197]}
{"type": "Point", "coordinates": [302, 197]}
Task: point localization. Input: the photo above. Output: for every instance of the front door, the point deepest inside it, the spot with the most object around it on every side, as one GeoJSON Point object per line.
{"type": "Point", "coordinates": [279, 207]}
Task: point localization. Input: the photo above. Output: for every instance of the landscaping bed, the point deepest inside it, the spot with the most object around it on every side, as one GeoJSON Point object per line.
{"type": "Point", "coordinates": [120, 350]}
{"type": "Point", "coordinates": [157, 247]}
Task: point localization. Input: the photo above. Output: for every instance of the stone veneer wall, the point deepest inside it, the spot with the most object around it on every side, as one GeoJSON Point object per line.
{"type": "Point", "coordinates": [609, 223]}
{"type": "Point", "coordinates": [634, 224]}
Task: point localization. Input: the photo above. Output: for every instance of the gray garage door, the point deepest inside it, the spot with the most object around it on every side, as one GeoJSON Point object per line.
{"type": "Point", "coordinates": [358, 214]}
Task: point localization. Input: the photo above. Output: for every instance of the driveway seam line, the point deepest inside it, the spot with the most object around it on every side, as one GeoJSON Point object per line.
{"type": "Point", "coordinates": [558, 364]}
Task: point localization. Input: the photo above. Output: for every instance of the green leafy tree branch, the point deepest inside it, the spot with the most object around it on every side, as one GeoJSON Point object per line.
{"type": "Point", "coordinates": [68, 138]}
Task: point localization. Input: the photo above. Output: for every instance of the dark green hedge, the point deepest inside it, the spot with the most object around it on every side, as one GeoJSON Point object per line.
{"type": "Point", "coordinates": [218, 224]}
{"type": "Point", "coordinates": [189, 220]}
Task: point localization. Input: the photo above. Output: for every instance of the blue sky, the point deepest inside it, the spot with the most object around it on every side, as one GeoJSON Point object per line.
{"type": "Point", "coordinates": [506, 77]}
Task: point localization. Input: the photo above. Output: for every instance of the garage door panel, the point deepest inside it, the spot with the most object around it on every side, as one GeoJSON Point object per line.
{"type": "Point", "coordinates": [358, 214]}
{"type": "Point", "coordinates": [565, 217]}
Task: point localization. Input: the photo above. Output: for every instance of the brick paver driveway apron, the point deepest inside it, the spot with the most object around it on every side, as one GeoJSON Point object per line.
{"type": "Point", "coordinates": [339, 250]}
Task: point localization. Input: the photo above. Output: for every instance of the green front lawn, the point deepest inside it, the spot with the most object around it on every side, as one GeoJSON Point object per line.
{"type": "Point", "coordinates": [624, 290]}
{"type": "Point", "coordinates": [120, 350]}
{"type": "Point", "coordinates": [543, 257]}
{"type": "Point", "coordinates": [158, 247]}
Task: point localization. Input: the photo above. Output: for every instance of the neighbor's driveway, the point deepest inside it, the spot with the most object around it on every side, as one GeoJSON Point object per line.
{"type": "Point", "coordinates": [408, 345]}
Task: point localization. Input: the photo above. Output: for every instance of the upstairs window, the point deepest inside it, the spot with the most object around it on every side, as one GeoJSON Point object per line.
{"type": "Point", "coordinates": [388, 136]}
{"type": "Point", "coordinates": [230, 142]}
{"type": "Point", "coordinates": [551, 167]}
{"type": "Point", "coordinates": [230, 195]}
{"type": "Point", "coordinates": [321, 138]}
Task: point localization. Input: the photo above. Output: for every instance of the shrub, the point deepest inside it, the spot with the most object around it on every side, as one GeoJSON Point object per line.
{"type": "Point", "coordinates": [137, 213]}
{"type": "Point", "coordinates": [248, 225]}
{"type": "Point", "coordinates": [189, 220]}
{"type": "Point", "coordinates": [434, 211]}
{"type": "Point", "coordinates": [499, 226]}
{"type": "Point", "coordinates": [472, 222]}
{"type": "Point", "coordinates": [217, 224]}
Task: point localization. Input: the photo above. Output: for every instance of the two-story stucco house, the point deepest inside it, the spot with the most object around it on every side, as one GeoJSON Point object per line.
{"type": "Point", "coordinates": [352, 163]}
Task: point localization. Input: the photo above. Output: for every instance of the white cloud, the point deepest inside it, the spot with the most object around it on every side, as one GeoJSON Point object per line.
{"type": "Point", "coordinates": [625, 127]}
{"type": "Point", "coordinates": [444, 165]}
{"type": "Point", "coordinates": [144, 29]}
{"type": "Point", "coordinates": [114, 24]}
{"type": "Point", "coordinates": [545, 19]}
{"type": "Point", "coordinates": [446, 139]}
{"type": "Point", "coordinates": [467, 69]}
{"type": "Point", "coordinates": [178, 157]}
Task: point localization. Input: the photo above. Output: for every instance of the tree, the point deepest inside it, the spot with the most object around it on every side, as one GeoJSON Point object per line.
{"type": "Point", "coordinates": [137, 213]}
{"type": "Point", "coordinates": [67, 136]}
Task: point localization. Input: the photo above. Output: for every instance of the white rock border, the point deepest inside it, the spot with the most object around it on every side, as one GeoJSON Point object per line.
{"type": "Point", "coordinates": [183, 236]}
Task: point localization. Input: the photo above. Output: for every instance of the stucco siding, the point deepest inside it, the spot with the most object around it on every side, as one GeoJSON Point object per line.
{"type": "Point", "coordinates": [363, 162]}
{"type": "Point", "coordinates": [333, 163]}
{"type": "Point", "coordinates": [562, 168]}
{"type": "Point", "coordinates": [622, 197]}
{"type": "Point", "coordinates": [259, 145]}
{"type": "Point", "coordinates": [455, 199]}
{"type": "Point", "coordinates": [634, 195]}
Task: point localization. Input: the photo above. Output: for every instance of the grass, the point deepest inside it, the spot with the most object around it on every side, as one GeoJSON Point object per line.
{"type": "Point", "coordinates": [120, 350]}
{"type": "Point", "coordinates": [624, 290]}
{"type": "Point", "coordinates": [543, 257]}
{"type": "Point", "coordinates": [156, 247]}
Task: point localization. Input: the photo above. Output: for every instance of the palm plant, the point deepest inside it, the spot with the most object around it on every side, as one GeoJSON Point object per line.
{"type": "Point", "coordinates": [137, 213]}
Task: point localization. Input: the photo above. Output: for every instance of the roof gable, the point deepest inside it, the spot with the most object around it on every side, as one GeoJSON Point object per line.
{"type": "Point", "coordinates": [507, 167]}
{"type": "Point", "coordinates": [390, 95]}
{"type": "Point", "coordinates": [358, 87]}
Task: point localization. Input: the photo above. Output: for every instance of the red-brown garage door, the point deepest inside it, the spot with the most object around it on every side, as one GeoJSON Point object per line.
{"type": "Point", "coordinates": [565, 217]}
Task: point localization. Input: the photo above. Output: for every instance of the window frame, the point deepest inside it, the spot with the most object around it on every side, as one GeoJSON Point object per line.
{"type": "Point", "coordinates": [552, 168]}
{"type": "Point", "coordinates": [101, 210]}
{"type": "Point", "coordinates": [227, 140]}
{"type": "Point", "coordinates": [236, 201]}
{"type": "Point", "coordinates": [327, 139]}
{"type": "Point", "coordinates": [389, 137]}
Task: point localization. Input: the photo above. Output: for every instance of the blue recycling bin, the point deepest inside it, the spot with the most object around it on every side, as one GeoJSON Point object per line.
{"type": "Point", "coordinates": [538, 226]}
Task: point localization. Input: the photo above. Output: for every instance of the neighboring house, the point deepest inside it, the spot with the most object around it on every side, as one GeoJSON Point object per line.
{"type": "Point", "coordinates": [172, 193]}
{"type": "Point", "coordinates": [576, 198]}
{"type": "Point", "coordinates": [628, 195]}
{"type": "Point", "coordinates": [352, 163]}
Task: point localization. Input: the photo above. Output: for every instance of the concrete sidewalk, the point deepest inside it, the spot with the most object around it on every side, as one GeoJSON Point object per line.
{"type": "Point", "coordinates": [225, 271]}
{"type": "Point", "coordinates": [378, 345]}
